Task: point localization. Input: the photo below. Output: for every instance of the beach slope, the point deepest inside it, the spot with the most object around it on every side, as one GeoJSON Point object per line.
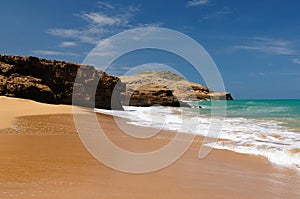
{"type": "Point", "coordinates": [41, 156]}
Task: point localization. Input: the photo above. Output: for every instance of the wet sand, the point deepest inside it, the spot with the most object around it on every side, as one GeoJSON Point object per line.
{"type": "Point", "coordinates": [41, 156]}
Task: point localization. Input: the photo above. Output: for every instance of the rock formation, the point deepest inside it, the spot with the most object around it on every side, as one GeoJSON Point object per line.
{"type": "Point", "coordinates": [151, 94]}
{"type": "Point", "coordinates": [178, 89]}
{"type": "Point", "coordinates": [52, 81]}
{"type": "Point", "coordinates": [220, 96]}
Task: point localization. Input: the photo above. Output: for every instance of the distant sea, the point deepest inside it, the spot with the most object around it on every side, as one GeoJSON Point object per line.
{"type": "Point", "coordinates": [268, 128]}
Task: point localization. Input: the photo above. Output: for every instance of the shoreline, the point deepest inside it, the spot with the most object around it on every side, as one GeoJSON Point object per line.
{"type": "Point", "coordinates": [57, 165]}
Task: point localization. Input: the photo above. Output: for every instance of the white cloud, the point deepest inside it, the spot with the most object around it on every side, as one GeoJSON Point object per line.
{"type": "Point", "coordinates": [267, 45]}
{"type": "Point", "coordinates": [105, 5]}
{"type": "Point", "coordinates": [80, 35]}
{"type": "Point", "coordinates": [108, 21]}
{"type": "Point", "coordinates": [296, 61]}
{"type": "Point", "coordinates": [68, 44]}
{"type": "Point", "coordinates": [101, 19]}
{"type": "Point", "coordinates": [61, 32]}
{"type": "Point", "coordinates": [50, 52]}
{"type": "Point", "coordinates": [197, 3]}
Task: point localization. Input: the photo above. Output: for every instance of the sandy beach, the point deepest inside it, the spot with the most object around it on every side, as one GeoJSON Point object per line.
{"type": "Point", "coordinates": [41, 156]}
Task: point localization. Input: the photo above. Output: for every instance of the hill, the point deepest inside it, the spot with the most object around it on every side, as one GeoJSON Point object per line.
{"type": "Point", "coordinates": [148, 82]}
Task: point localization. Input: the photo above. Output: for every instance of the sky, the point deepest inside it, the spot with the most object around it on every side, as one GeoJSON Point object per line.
{"type": "Point", "coordinates": [254, 44]}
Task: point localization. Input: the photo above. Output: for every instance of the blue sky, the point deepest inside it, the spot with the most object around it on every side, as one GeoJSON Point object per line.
{"type": "Point", "coordinates": [255, 44]}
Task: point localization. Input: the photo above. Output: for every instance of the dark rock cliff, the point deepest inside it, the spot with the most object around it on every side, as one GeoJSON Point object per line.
{"type": "Point", "coordinates": [52, 81]}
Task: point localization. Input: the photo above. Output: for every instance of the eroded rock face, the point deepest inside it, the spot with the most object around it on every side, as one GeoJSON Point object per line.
{"type": "Point", "coordinates": [28, 87]}
{"type": "Point", "coordinates": [137, 88]}
{"type": "Point", "coordinates": [149, 95]}
{"type": "Point", "coordinates": [52, 81]}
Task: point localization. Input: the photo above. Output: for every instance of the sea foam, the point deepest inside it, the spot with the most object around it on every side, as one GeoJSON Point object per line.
{"type": "Point", "coordinates": [264, 137]}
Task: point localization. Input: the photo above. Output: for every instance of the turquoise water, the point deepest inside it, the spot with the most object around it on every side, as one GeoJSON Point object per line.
{"type": "Point", "coordinates": [286, 111]}
{"type": "Point", "coordinates": [268, 128]}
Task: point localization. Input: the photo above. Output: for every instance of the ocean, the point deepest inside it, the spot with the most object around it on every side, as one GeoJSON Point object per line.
{"type": "Point", "coordinates": [268, 128]}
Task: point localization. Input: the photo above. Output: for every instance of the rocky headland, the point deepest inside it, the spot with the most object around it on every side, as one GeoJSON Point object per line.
{"type": "Point", "coordinates": [165, 87]}
{"type": "Point", "coordinates": [52, 81]}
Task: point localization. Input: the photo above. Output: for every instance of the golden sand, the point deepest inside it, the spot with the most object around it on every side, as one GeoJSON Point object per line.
{"type": "Point", "coordinates": [15, 107]}
{"type": "Point", "coordinates": [43, 157]}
